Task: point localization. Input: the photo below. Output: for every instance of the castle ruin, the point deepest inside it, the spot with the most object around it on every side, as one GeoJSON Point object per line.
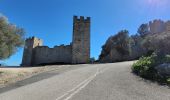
{"type": "Point", "coordinates": [159, 26]}
{"type": "Point", "coordinates": [78, 52]}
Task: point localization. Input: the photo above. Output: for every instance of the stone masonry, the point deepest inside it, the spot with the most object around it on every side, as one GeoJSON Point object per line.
{"type": "Point", "coordinates": [78, 52]}
{"type": "Point", "coordinates": [81, 40]}
{"type": "Point", "coordinates": [159, 26]}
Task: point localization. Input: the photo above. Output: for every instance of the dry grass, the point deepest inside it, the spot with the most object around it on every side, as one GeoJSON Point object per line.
{"type": "Point", "coordinates": [11, 75]}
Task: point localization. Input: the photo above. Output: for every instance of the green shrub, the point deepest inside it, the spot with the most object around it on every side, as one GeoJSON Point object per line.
{"type": "Point", "coordinates": [167, 58]}
{"type": "Point", "coordinates": [168, 81]}
{"type": "Point", "coordinates": [145, 67]}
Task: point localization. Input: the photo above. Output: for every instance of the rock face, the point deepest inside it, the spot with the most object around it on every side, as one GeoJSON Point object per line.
{"type": "Point", "coordinates": [116, 48]}
{"type": "Point", "coordinates": [163, 69]}
{"type": "Point", "coordinates": [122, 47]}
{"type": "Point", "coordinates": [77, 52]}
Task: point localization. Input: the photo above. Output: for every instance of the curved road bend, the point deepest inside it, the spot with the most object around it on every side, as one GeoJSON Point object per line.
{"type": "Point", "coordinates": [92, 82]}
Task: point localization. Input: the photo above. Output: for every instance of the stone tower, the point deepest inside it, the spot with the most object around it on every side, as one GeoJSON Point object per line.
{"type": "Point", "coordinates": [30, 44]}
{"type": "Point", "coordinates": [81, 40]}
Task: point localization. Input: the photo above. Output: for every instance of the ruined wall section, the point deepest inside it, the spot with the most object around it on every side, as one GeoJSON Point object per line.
{"type": "Point", "coordinates": [58, 54]}
{"type": "Point", "coordinates": [81, 40]}
{"type": "Point", "coordinates": [168, 26]}
{"type": "Point", "coordinates": [28, 54]}
{"type": "Point", "coordinates": [157, 26]}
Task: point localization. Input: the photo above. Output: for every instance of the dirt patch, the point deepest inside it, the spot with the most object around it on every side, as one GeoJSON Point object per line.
{"type": "Point", "coordinates": [12, 75]}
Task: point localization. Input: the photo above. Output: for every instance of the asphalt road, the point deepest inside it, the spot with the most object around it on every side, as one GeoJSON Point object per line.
{"type": "Point", "coordinates": [90, 82]}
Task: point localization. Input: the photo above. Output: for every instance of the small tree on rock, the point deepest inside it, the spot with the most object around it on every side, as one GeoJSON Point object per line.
{"type": "Point", "coordinates": [143, 30]}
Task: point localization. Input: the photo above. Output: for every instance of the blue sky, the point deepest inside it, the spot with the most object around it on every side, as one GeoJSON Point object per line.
{"type": "Point", "coordinates": [51, 20]}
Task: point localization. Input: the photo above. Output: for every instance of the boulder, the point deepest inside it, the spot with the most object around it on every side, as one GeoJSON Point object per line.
{"type": "Point", "coordinates": [163, 69]}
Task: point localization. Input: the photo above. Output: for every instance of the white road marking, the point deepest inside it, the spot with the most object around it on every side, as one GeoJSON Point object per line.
{"type": "Point", "coordinates": [79, 87]}
{"type": "Point", "coordinates": [73, 89]}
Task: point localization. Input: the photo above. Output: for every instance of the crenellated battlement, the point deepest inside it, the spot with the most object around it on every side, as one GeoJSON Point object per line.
{"type": "Point", "coordinates": [81, 19]}
{"type": "Point", "coordinates": [33, 38]}
{"type": "Point", "coordinates": [157, 21]}
{"type": "Point", "coordinates": [157, 26]}
{"type": "Point", "coordinates": [81, 40]}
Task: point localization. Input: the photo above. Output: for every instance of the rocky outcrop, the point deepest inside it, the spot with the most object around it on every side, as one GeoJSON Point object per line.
{"type": "Point", "coordinates": [123, 47]}
{"type": "Point", "coordinates": [163, 69]}
{"type": "Point", "coordinates": [117, 48]}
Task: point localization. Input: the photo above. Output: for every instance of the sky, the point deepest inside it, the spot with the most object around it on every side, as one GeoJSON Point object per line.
{"type": "Point", "coordinates": [52, 20]}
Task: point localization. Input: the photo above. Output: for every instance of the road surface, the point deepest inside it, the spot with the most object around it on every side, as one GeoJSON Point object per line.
{"type": "Point", "coordinates": [90, 82]}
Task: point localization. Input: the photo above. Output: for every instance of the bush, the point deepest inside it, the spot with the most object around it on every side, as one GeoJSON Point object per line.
{"type": "Point", "coordinates": [167, 59]}
{"type": "Point", "coordinates": [168, 81]}
{"type": "Point", "coordinates": [145, 67]}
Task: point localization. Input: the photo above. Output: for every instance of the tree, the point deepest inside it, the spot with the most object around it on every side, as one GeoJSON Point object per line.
{"type": "Point", "coordinates": [92, 60]}
{"type": "Point", "coordinates": [11, 38]}
{"type": "Point", "coordinates": [143, 30]}
{"type": "Point", "coordinates": [122, 42]}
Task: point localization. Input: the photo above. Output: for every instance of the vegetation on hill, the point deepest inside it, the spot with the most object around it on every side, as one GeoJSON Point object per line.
{"type": "Point", "coordinates": [123, 47]}
{"type": "Point", "coordinates": [150, 68]}
{"type": "Point", "coordinates": [11, 38]}
{"type": "Point", "coordinates": [152, 50]}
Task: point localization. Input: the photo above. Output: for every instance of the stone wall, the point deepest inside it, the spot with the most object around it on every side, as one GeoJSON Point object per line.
{"type": "Point", "coordinates": [157, 26]}
{"type": "Point", "coordinates": [77, 52]}
{"type": "Point", "coordinates": [168, 26]}
{"type": "Point", "coordinates": [30, 44]}
{"type": "Point", "coordinates": [46, 55]}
